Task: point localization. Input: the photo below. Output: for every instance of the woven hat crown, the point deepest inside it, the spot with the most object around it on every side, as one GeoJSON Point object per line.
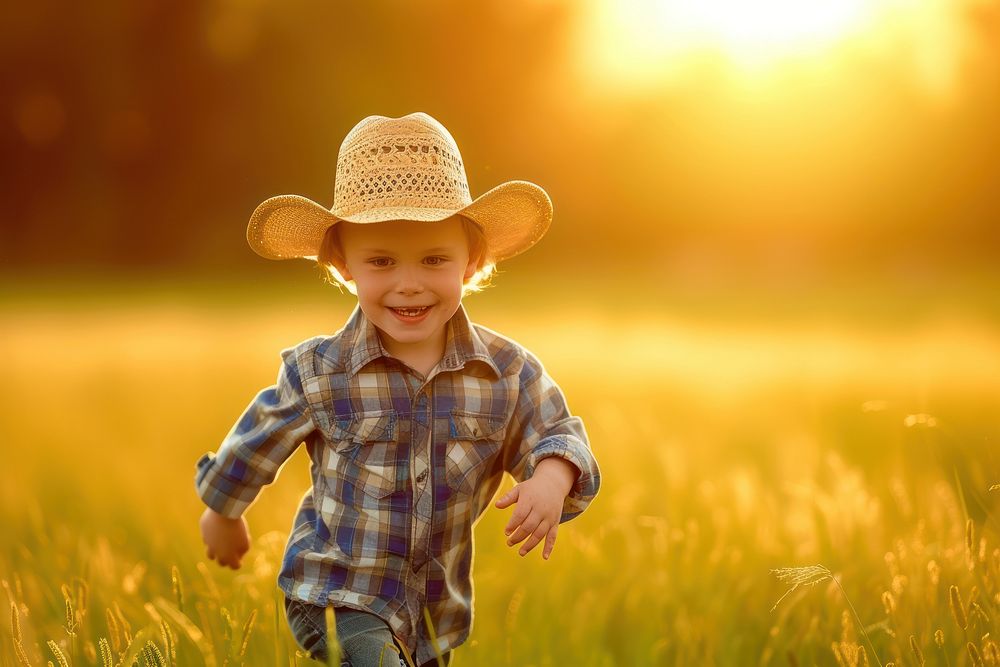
{"type": "Point", "coordinates": [405, 162]}
{"type": "Point", "coordinates": [406, 168]}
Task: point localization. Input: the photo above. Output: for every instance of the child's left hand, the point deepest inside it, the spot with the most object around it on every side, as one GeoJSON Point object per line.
{"type": "Point", "coordinates": [539, 504]}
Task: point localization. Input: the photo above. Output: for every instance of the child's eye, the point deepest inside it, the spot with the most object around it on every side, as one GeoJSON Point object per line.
{"type": "Point", "coordinates": [434, 260]}
{"type": "Point", "coordinates": [380, 262]}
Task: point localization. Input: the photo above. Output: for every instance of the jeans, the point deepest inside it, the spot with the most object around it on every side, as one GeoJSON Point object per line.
{"type": "Point", "coordinates": [365, 639]}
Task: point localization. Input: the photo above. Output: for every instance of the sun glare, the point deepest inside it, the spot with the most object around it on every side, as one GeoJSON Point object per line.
{"type": "Point", "coordinates": [751, 26]}
{"type": "Point", "coordinates": [644, 34]}
{"type": "Point", "coordinates": [638, 44]}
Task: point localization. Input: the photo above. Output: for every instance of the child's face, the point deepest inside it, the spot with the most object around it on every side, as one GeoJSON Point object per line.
{"type": "Point", "coordinates": [409, 278]}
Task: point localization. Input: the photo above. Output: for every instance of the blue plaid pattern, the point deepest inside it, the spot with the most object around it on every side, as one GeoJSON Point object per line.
{"type": "Point", "coordinates": [402, 466]}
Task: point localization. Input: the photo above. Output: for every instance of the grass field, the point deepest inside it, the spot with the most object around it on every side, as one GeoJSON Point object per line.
{"type": "Point", "coordinates": [731, 444]}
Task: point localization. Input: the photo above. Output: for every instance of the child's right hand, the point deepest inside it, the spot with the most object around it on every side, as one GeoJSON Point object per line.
{"type": "Point", "coordinates": [226, 540]}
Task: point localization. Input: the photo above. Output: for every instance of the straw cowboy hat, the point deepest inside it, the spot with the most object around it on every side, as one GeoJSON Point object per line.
{"type": "Point", "coordinates": [405, 168]}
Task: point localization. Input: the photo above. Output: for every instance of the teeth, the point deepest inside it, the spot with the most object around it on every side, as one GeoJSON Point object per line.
{"type": "Point", "coordinates": [410, 312]}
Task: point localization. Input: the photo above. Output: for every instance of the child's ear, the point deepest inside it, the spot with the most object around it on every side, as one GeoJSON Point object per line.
{"type": "Point", "coordinates": [342, 270]}
{"type": "Point", "coordinates": [470, 270]}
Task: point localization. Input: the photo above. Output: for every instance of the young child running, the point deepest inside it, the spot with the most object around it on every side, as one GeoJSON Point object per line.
{"type": "Point", "coordinates": [410, 413]}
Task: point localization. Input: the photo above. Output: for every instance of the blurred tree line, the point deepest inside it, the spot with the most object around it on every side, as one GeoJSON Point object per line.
{"type": "Point", "coordinates": [143, 133]}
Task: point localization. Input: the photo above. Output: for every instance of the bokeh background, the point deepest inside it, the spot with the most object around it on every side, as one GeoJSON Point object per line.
{"type": "Point", "coordinates": [770, 288]}
{"type": "Point", "coordinates": [854, 140]}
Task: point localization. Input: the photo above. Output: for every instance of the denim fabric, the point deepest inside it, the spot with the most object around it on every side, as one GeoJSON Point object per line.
{"type": "Point", "coordinates": [365, 639]}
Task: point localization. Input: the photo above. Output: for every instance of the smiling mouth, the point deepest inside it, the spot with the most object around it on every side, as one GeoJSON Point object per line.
{"type": "Point", "coordinates": [410, 312]}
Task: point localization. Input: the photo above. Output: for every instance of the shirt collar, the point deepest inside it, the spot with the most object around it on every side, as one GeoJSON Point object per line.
{"type": "Point", "coordinates": [360, 343]}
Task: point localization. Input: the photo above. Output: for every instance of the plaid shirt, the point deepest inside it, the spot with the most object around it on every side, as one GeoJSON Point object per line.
{"type": "Point", "coordinates": [402, 466]}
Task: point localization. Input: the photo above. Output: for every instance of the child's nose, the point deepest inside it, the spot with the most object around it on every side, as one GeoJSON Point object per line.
{"type": "Point", "coordinates": [409, 281]}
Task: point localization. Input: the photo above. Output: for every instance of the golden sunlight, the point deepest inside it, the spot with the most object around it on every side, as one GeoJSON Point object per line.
{"type": "Point", "coordinates": [638, 43]}
{"type": "Point", "coordinates": [751, 28]}
{"type": "Point", "coordinates": [651, 33]}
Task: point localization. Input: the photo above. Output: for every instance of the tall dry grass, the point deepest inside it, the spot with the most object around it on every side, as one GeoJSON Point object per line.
{"type": "Point", "coordinates": [728, 451]}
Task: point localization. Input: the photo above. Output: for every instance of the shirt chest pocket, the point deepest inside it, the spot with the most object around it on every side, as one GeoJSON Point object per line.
{"type": "Point", "coordinates": [474, 441]}
{"type": "Point", "coordinates": [366, 455]}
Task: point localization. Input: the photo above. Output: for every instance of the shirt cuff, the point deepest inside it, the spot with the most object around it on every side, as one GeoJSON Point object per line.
{"type": "Point", "coordinates": [571, 449]}
{"type": "Point", "coordinates": [219, 492]}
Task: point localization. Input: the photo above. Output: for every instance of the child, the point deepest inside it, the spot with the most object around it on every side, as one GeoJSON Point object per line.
{"type": "Point", "coordinates": [410, 413]}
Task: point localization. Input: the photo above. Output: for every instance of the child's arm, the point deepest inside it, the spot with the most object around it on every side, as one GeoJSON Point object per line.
{"type": "Point", "coordinates": [263, 438]}
{"type": "Point", "coordinates": [557, 473]}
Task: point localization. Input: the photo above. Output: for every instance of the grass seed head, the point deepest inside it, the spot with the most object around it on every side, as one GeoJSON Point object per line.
{"type": "Point", "coordinates": [977, 611]}
{"type": "Point", "coordinates": [800, 576]}
{"type": "Point", "coordinates": [60, 656]}
{"type": "Point", "coordinates": [175, 579]}
{"type": "Point", "coordinates": [892, 563]}
{"type": "Point", "coordinates": [917, 653]}
{"type": "Point", "coordinates": [970, 534]}
{"type": "Point", "coordinates": [247, 630]}
{"type": "Point", "coordinates": [152, 655]}
{"type": "Point", "coordinates": [169, 640]}
{"type": "Point", "coordinates": [15, 629]}
{"type": "Point", "coordinates": [82, 596]}
{"type": "Point", "coordinates": [889, 603]}
{"type": "Point", "coordinates": [991, 653]}
{"type": "Point", "coordinates": [838, 655]}
{"type": "Point", "coordinates": [114, 631]}
{"type": "Point", "coordinates": [15, 623]}
{"type": "Point", "coordinates": [846, 627]}
{"type": "Point", "coordinates": [106, 655]}
{"type": "Point", "coordinates": [70, 618]}
{"type": "Point", "coordinates": [22, 657]}
{"type": "Point", "coordinates": [957, 608]}
{"type": "Point", "coordinates": [126, 628]}
{"type": "Point", "coordinates": [934, 572]}
{"type": "Point", "coordinates": [974, 655]}
{"type": "Point", "coordinates": [227, 625]}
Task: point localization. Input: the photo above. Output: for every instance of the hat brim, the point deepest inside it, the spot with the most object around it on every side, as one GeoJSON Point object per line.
{"type": "Point", "coordinates": [513, 215]}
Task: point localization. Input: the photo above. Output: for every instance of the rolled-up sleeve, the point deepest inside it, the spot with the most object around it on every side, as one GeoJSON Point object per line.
{"type": "Point", "coordinates": [542, 426]}
{"type": "Point", "coordinates": [270, 429]}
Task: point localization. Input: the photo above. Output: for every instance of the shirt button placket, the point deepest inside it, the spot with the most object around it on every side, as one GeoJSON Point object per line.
{"type": "Point", "coordinates": [423, 491]}
{"type": "Point", "coordinates": [423, 495]}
